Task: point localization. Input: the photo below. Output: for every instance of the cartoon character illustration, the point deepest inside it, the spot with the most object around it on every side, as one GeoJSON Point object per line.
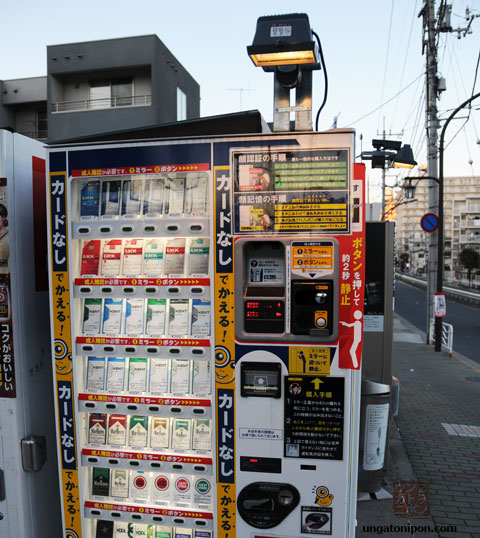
{"type": "Point", "coordinates": [63, 359]}
{"type": "Point", "coordinates": [224, 366]}
{"type": "Point", "coordinates": [323, 496]}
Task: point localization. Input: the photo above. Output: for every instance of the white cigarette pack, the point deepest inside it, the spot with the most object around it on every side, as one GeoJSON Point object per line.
{"type": "Point", "coordinates": [181, 434]}
{"type": "Point", "coordinates": [200, 318]}
{"type": "Point", "coordinates": [202, 493]}
{"type": "Point", "coordinates": [111, 198]}
{"type": "Point", "coordinates": [175, 256]}
{"type": "Point", "coordinates": [153, 257]}
{"type": "Point", "coordinates": [122, 528]}
{"type": "Point", "coordinates": [134, 316]}
{"type": "Point", "coordinates": [119, 483]}
{"type": "Point", "coordinates": [132, 197]}
{"type": "Point", "coordinates": [201, 378]}
{"type": "Point", "coordinates": [95, 373]}
{"type": "Point", "coordinates": [180, 377]}
{"type": "Point", "coordinates": [196, 194]}
{"type": "Point", "coordinates": [202, 434]}
{"type": "Point", "coordinates": [111, 263]}
{"type": "Point", "coordinates": [159, 374]}
{"type": "Point", "coordinates": [160, 432]}
{"type": "Point", "coordinates": [92, 316]}
{"type": "Point", "coordinates": [155, 318]}
{"type": "Point", "coordinates": [176, 195]}
{"type": "Point", "coordinates": [178, 317]}
{"type": "Point", "coordinates": [153, 196]}
{"type": "Point", "coordinates": [180, 532]}
{"type": "Point", "coordinates": [132, 257]}
{"type": "Point", "coordinates": [112, 316]}
{"type": "Point", "coordinates": [162, 490]}
{"type": "Point", "coordinates": [182, 494]}
{"type": "Point", "coordinates": [198, 256]}
{"type": "Point", "coordinates": [139, 485]}
{"type": "Point", "coordinates": [137, 375]}
{"type": "Point", "coordinates": [115, 374]}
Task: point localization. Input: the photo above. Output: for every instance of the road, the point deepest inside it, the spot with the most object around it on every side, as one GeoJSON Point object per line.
{"type": "Point", "coordinates": [410, 303]}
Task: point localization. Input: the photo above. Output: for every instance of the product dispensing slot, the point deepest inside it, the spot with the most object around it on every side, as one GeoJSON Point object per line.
{"type": "Point", "coordinates": [312, 307]}
{"type": "Point", "coordinates": [261, 379]}
{"type": "Point", "coordinates": [264, 290]}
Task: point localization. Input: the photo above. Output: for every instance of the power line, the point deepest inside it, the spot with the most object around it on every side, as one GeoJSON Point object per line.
{"type": "Point", "coordinates": [386, 56]}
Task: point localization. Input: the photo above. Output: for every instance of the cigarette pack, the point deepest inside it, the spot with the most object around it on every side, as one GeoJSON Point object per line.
{"type": "Point", "coordinates": [134, 316]}
{"type": "Point", "coordinates": [180, 377]}
{"type": "Point", "coordinates": [137, 375]}
{"type": "Point", "coordinates": [176, 195]}
{"type": "Point", "coordinates": [203, 534]}
{"type": "Point", "coordinates": [117, 429]}
{"type": "Point", "coordinates": [100, 481]}
{"type": "Point", "coordinates": [202, 493]}
{"type": "Point", "coordinates": [138, 433]}
{"type": "Point", "coordinates": [175, 256]}
{"type": "Point", "coordinates": [133, 257]}
{"type": "Point", "coordinates": [161, 490]}
{"type": "Point", "coordinates": [139, 490]}
{"type": "Point", "coordinates": [153, 196]}
{"type": "Point", "coordinates": [180, 532]}
{"type": "Point", "coordinates": [159, 372]}
{"type": "Point", "coordinates": [115, 374]}
{"type": "Point", "coordinates": [97, 428]}
{"type": "Point", "coordinates": [132, 198]}
{"type": "Point", "coordinates": [153, 257]}
{"type": "Point", "coordinates": [90, 264]}
{"type": "Point", "coordinates": [111, 197]}
{"type": "Point", "coordinates": [160, 432]}
{"type": "Point", "coordinates": [198, 256]}
{"type": "Point", "coordinates": [95, 373]}
{"type": "Point", "coordinates": [200, 318]}
{"type": "Point", "coordinates": [111, 257]}
{"type": "Point", "coordinates": [181, 434]}
{"type": "Point", "coordinates": [202, 434]}
{"type": "Point", "coordinates": [119, 483]}
{"type": "Point", "coordinates": [104, 529]}
{"type": "Point", "coordinates": [123, 529]}
{"type": "Point", "coordinates": [182, 492]}
{"type": "Point", "coordinates": [178, 317]}
{"type": "Point", "coordinates": [163, 532]}
{"type": "Point", "coordinates": [90, 200]}
{"type": "Point", "coordinates": [112, 316]}
{"type": "Point", "coordinates": [196, 194]}
{"type": "Point", "coordinates": [143, 531]}
{"type": "Point", "coordinates": [155, 318]}
{"type": "Point", "coordinates": [92, 316]}
{"type": "Point", "coordinates": [201, 378]}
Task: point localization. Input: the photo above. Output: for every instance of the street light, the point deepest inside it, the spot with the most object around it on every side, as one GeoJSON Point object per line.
{"type": "Point", "coordinates": [285, 45]}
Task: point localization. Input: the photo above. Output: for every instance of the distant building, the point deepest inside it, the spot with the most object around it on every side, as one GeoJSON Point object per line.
{"type": "Point", "coordinates": [100, 86]}
{"type": "Point", "coordinates": [462, 224]}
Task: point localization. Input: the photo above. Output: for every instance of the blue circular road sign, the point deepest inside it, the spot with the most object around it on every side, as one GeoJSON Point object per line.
{"type": "Point", "coordinates": [429, 222]}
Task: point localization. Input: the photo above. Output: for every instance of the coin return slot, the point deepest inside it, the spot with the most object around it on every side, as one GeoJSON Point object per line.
{"type": "Point", "coordinates": [174, 351]}
{"type": "Point", "coordinates": [199, 468]}
{"type": "Point", "coordinates": [150, 290]}
{"type": "Point", "coordinates": [154, 409]}
{"type": "Point", "coordinates": [105, 229]}
{"type": "Point", "coordinates": [127, 229]}
{"type": "Point", "coordinates": [113, 462]}
{"type": "Point", "coordinates": [115, 514]}
{"type": "Point", "coordinates": [174, 291]}
{"type": "Point", "coordinates": [130, 349]}
{"type": "Point", "coordinates": [92, 460]}
{"type": "Point", "coordinates": [85, 290]}
{"type": "Point", "coordinates": [172, 228]}
{"type": "Point", "coordinates": [195, 228]}
{"type": "Point", "coordinates": [149, 229]}
{"type": "Point", "coordinates": [198, 351]}
{"type": "Point", "coordinates": [108, 349]}
{"type": "Point", "coordinates": [134, 463]}
{"type": "Point", "coordinates": [107, 290]}
{"type": "Point", "coordinates": [197, 291]}
{"type": "Point", "coordinates": [152, 350]}
{"type": "Point", "coordinates": [176, 410]}
{"type": "Point", "coordinates": [177, 466]}
{"type": "Point", "coordinates": [91, 405]}
{"type": "Point", "coordinates": [111, 406]}
{"type": "Point", "coordinates": [84, 230]}
{"type": "Point", "coordinates": [198, 411]}
{"type": "Point", "coordinates": [87, 348]}
{"type": "Point", "coordinates": [132, 407]}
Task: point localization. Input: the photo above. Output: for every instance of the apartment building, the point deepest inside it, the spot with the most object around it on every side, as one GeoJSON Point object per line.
{"type": "Point", "coordinates": [98, 87]}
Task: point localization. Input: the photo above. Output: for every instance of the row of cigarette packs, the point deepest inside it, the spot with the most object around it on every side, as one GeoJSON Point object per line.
{"type": "Point", "coordinates": [158, 377]}
{"type": "Point", "coordinates": [122, 529]}
{"type": "Point", "coordinates": [183, 491]}
{"type": "Point", "coordinates": [146, 317]}
{"type": "Point", "coordinates": [159, 433]}
{"type": "Point", "coordinates": [149, 257]}
{"type": "Point", "coordinates": [153, 196]}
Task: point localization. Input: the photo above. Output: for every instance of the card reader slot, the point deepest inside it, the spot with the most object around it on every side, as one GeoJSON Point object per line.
{"type": "Point", "coordinates": [265, 291]}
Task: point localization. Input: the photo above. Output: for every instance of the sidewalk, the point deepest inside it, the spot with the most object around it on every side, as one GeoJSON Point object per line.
{"type": "Point", "coordinates": [430, 443]}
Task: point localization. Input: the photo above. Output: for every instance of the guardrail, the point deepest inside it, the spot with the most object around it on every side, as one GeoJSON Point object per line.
{"type": "Point", "coordinates": [447, 335]}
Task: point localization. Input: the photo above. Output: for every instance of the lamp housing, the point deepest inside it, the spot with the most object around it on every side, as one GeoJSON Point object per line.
{"type": "Point", "coordinates": [404, 158]}
{"type": "Point", "coordinates": [408, 189]}
{"type": "Point", "coordinates": [284, 40]}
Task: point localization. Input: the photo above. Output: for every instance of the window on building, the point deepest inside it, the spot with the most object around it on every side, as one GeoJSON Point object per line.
{"type": "Point", "coordinates": [111, 93]}
{"type": "Point", "coordinates": [181, 105]}
{"type": "Point", "coordinates": [42, 125]}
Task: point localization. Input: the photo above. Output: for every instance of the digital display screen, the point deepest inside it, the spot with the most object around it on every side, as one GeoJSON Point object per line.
{"type": "Point", "coordinates": [270, 309]}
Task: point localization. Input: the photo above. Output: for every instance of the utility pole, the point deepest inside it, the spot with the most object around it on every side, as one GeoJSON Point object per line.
{"type": "Point", "coordinates": [432, 124]}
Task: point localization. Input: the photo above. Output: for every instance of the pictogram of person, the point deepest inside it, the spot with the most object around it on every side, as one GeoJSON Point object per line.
{"type": "Point", "coordinates": [357, 335]}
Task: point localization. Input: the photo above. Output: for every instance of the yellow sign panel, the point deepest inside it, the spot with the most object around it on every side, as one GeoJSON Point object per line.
{"type": "Point", "coordinates": [305, 257]}
{"type": "Point", "coordinates": [309, 360]}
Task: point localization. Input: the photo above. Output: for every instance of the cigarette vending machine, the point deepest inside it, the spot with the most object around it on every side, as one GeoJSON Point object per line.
{"type": "Point", "coordinates": [207, 304]}
{"type": "Point", "coordinates": [29, 497]}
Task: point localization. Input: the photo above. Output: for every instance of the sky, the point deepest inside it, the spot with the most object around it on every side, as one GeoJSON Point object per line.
{"type": "Point", "coordinates": [372, 50]}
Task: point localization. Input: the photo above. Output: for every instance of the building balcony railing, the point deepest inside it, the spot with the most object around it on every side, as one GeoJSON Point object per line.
{"type": "Point", "coordinates": [101, 104]}
{"type": "Point", "coordinates": [37, 135]}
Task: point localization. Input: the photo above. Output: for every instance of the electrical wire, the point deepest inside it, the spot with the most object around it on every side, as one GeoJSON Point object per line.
{"type": "Point", "coordinates": [386, 57]}
{"type": "Point", "coordinates": [325, 78]}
